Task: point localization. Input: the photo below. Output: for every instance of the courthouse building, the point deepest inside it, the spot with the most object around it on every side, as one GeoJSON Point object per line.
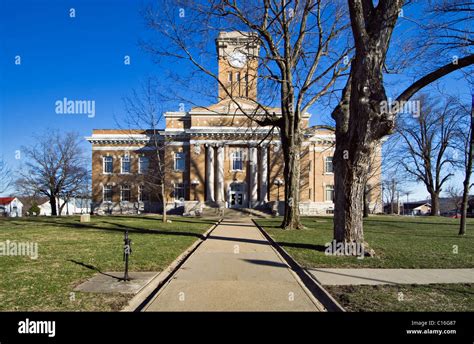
{"type": "Point", "coordinates": [216, 156]}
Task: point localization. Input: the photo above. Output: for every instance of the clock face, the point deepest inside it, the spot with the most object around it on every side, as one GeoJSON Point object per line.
{"type": "Point", "coordinates": [237, 59]}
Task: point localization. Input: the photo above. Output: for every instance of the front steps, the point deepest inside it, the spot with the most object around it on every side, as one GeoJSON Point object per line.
{"type": "Point", "coordinates": [233, 213]}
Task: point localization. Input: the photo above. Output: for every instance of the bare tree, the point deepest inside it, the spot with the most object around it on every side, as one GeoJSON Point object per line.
{"type": "Point", "coordinates": [5, 177]}
{"type": "Point", "coordinates": [54, 166]}
{"type": "Point", "coordinates": [455, 195]}
{"type": "Point", "coordinates": [144, 109]}
{"type": "Point", "coordinates": [361, 118]}
{"type": "Point", "coordinates": [392, 188]}
{"type": "Point", "coordinates": [305, 50]}
{"type": "Point", "coordinates": [427, 152]}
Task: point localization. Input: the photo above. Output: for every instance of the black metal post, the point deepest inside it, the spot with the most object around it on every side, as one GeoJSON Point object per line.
{"type": "Point", "coordinates": [127, 250]}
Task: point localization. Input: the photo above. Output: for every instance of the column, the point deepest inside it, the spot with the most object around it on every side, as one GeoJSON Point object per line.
{"type": "Point", "coordinates": [220, 175]}
{"type": "Point", "coordinates": [210, 173]}
{"type": "Point", "coordinates": [264, 174]}
{"type": "Point", "coordinates": [253, 176]}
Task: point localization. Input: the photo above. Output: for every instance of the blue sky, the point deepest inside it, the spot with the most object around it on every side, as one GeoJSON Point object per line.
{"type": "Point", "coordinates": [77, 58]}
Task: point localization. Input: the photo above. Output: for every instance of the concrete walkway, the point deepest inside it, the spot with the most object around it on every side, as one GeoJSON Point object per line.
{"type": "Point", "coordinates": [235, 269]}
{"type": "Point", "coordinates": [391, 276]}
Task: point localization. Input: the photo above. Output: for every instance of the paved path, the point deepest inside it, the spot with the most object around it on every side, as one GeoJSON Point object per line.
{"type": "Point", "coordinates": [235, 269]}
{"type": "Point", "coordinates": [392, 276]}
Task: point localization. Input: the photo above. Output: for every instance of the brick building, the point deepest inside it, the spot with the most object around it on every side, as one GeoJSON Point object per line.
{"type": "Point", "coordinates": [215, 155]}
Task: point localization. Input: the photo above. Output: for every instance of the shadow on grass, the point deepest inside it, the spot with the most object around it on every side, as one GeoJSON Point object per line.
{"type": "Point", "coordinates": [158, 219]}
{"type": "Point", "coordinates": [402, 221]}
{"type": "Point", "coordinates": [116, 227]}
{"type": "Point", "coordinates": [319, 248]}
{"type": "Point", "coordinates": [409, 233]}
{"type": "Point", "coordinates": [92, 267]}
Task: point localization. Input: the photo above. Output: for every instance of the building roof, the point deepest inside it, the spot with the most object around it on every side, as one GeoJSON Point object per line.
{"type": "Point", "coordinates": [6, 200]}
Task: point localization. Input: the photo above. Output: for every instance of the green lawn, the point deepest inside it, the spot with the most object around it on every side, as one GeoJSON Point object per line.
{"type": "Point", "coordinates": [399, 242]}
{"type": "Point", "coordinates": [64, 244]}
{"type": "Point", "coordinates": [405, 298]}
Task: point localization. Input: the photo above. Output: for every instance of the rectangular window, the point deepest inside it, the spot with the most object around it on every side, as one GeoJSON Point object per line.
{"type": "Point", "coordinates": [108, 164]}
{"type": "Point", "coordinates": [179, 161]}
{"type": "Point", "coordinates": [229, 77]}
{"type": "Point", "coordinates": [107, 193]}
{"type": "Point", "coordinates": [142, 194]}
{"type": "Point", "coordinates": [125, 193]}
{"type": "Point", "coordinates": [330, 193]}
{"type": "Point", "coordinates": [126, 164]}
{"type": "Point", "coordinates": [329, 166]}
{"type": "Point", "coordinates": [143, 164]}
{"type": "Point", "coordinates": [179, 191]}
{"type": "Point", "coordinates": [237, 161]}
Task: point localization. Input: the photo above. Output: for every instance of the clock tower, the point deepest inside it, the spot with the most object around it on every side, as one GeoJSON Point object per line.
{"type": "Point", "coordinates": [238, 63]}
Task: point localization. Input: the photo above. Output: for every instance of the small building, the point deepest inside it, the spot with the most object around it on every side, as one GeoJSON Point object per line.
{"type": "Point", "coordinates": [417, 208]}
{"type": "Point", "coordinates": [10, 207]}
{"type": "Point", "coordinates": [75, 206]}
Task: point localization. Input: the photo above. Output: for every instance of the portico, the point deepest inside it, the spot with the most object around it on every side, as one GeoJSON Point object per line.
{"type": "Point", "coordinates": [243, 181]}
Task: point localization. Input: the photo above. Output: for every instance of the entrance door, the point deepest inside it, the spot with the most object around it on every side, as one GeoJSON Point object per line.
{"type": "Point", "coordinates": [237, 195]}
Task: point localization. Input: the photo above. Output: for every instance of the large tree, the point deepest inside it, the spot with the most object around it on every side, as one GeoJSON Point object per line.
{"type": "Point", "coordinates": [361, 118]}
{"type": "Point", "coordinates": [427, 149]}
{"type": "Point", "coordinates": [305, 49]}
{"type": "Point", "coordinates": [54, 166]}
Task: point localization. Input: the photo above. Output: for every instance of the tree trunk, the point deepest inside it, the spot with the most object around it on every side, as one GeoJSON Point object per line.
{"type": "Point", "coordinates": [163, 201]}
{"type": "Point", "coordinates": [434, 204]}
{"type": "Point", "coordinates": [356, 137]}
{"type": "Point", "coordinates": [366, 204]}
{"type": "Point", "coordinates": [464, 205]}
{"type": "Point", "coordinates": [292, 172]}
{"type": "Point", "coordinates": [291, 140]}
{"type": "Point", "coordinates": [52, 202]}
{"type": "Point", "coordinates": [467, 177]}
{"type": "Point", "coordinates": [349, 192]}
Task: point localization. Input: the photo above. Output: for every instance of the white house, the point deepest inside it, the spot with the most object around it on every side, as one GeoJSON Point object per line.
{"type": "Point", "coordinates": [73, 207]}
{"type": "Point", "coordinates": [10, 207]}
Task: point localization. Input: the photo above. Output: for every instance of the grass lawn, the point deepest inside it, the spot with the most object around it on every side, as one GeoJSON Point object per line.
{"type": "Point", "coordinates": [399, 242]}
{"type": "Point", "coordinates": [406, 298]}
{"type": "Point", "coordinates": [45, 284]}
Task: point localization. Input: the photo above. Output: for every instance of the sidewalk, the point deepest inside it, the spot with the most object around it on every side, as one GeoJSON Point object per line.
{"type": "Point", "coordinates": [391, 276]}
{"type": "Point", "coordinates": [235, 269]}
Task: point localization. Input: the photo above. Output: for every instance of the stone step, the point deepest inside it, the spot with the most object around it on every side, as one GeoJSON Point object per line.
{"type": "Point", "coordinates": [234, 212]}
